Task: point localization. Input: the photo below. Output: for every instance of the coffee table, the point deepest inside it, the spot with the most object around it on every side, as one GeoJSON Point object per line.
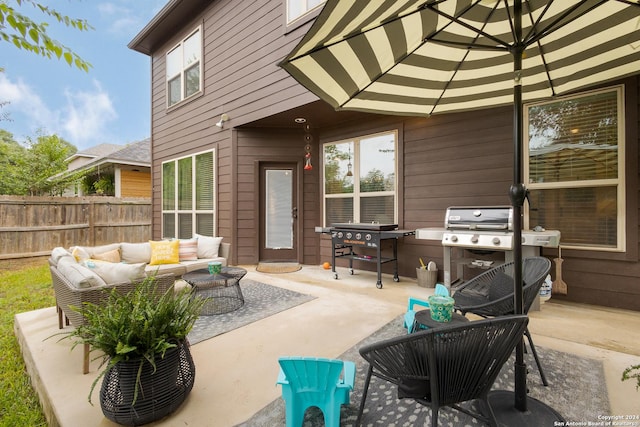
{"type": "Point", "coordinates": [221, 291]}
{"type": "Point", "coordinates": [423, 318]}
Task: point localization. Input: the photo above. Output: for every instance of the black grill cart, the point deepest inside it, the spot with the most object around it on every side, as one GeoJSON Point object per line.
{"type": "Point", "coordinates": [348, 240]}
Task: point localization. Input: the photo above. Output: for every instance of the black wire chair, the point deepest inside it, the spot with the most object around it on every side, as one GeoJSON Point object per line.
{"type": "Point", "coordinates": [491, 294]}
{"type": "Point", "coordinates": [446, 366]}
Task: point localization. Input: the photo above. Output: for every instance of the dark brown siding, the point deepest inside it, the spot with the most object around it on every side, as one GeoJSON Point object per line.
{"type": "Point", "coordinates": [466, 159]}
{"type": "Point", "coordinates": [241, 78]}
{"type": "Point", "coordinates": [455, 159]}
{"type": "Point", "coordinates": [272, 145]}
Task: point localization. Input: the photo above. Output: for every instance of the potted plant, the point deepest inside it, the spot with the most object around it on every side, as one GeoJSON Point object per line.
{"type": "Point", "coordinates": [142, 337]}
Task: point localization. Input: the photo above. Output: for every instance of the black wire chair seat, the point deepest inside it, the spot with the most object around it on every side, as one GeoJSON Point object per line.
{"type": "Point", "coordinates": [491, 294]}
{"type": "Point", "coordinates": [446, 366]}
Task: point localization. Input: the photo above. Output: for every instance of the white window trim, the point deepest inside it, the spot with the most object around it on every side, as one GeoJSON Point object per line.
{"type": "Point", "coordinates": [303, 15]}
{"type": "Point", "coordinates": [620, 182]}
{"type": "Point", "coordinates": [184, 98]}
{"type": "Point", "coordinates": [357, 195]}
{"type": "Point", "coordinates": [176, 212]}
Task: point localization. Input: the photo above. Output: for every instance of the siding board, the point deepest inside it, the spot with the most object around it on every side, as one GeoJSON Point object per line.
{"type": "Point", "coordinates": [454, 159]}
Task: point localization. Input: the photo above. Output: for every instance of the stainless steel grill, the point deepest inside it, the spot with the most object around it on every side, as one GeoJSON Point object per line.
{"type": "Point", "coordinates": [488, 227]}
{"type": "Point", "coordinates": [480, 229]}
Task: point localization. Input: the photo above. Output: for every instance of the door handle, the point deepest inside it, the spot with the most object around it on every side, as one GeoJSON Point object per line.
{"type": "Point", "coordinates": [294, 213]}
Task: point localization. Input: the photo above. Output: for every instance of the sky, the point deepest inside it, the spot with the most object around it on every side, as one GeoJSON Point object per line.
{"type": "Point", "coordinates": [109, 104]}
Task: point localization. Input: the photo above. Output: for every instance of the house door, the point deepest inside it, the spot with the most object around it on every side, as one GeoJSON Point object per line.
{"type": "Point", "coordinates": [278, 212]}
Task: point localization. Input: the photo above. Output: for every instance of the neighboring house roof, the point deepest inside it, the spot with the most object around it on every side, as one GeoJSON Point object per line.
{"type": "Point", "coordinates": [85, 156]}
{"type": "Point", "coordinates": [133, 154]}
{"type": "Point", "coordinates": [97, 151]}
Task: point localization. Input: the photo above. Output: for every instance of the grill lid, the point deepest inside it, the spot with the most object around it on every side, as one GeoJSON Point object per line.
{"type": "Point", "coordinates": [479, 218]}
{"type": "Point", "coordinates": [364, 226]}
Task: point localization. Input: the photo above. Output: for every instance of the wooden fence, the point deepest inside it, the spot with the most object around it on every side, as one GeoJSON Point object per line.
{"type": "Point", "coordinates": [32, 226]}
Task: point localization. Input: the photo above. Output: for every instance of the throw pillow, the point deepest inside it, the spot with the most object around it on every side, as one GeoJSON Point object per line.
{"type": "Point", "coordinates": [79, 253]}
{"type": "Point", "coordinates": [79, 275]}
{"type": "Point", "coordinates": [116, 272]}
{"type": "Point", "coordinates": [208, 246]}
{"type": "Point", "coordinates": [135, 252]}
{"type": "Point", "coordinates": [109, 256]}
{"type": "Point", "coordinates": [188, 250]}
{"type": "Point", "coordinates": [165, 252]}
{"type": "Point", "coordinates": [501, 286]}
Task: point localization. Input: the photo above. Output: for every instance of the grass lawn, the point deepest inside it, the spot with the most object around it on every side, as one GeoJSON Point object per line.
{"type": "Point", "coordinates": [24, 286]}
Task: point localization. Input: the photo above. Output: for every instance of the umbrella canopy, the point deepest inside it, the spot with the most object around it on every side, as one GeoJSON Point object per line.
{"type": "Point", "coordinates": [423, 57]}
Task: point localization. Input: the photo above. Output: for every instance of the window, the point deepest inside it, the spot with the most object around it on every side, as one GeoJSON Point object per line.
{"type": "Point", "coordinates": [184, 76]}
{"type": "Point", "coordinates": [298, 8]}
{"type": "Point", "coordinates": [360, 180]}
{"type": "Point", "coordinates": [188, 196]}
{"type": "Point", "coordinates": [575, 168]}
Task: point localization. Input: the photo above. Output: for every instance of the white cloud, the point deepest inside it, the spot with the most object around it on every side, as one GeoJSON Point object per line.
{"type": "Point", "coordinates": [87, 114]}
{"type": "Point", "coordinates": [23, 100]}
{"type": "Point", "coordinates": [121, 19]}
{"type": "Point", "coordinates": [83, 120]}
{"type": "Point", "coordinates": [127, 17]}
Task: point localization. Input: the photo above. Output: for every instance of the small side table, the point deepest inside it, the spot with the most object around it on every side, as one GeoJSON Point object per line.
{"type": "Point", "coordinates": [221, 291]}
{"type": "Point", "coordinates": [423, 319]}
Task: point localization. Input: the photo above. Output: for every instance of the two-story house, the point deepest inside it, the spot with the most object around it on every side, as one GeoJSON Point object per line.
{"type": "Point", "coordinates": [241, 150]}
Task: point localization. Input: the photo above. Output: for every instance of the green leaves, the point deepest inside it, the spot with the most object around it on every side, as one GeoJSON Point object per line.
{"type": "Point", "coordinates": [141, 324]}
{"type": "Point", "coordinates": [26, 34]}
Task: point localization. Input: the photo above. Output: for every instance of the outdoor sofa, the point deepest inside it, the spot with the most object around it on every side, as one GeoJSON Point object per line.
{"type": "Point", "coordinates": [83, 274]}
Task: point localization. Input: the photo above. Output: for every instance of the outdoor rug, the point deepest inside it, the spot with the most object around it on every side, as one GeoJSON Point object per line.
{"type": "Point", "coordinates": [576, 390]}
{"type": "Point", "coordinates": [260, 301]}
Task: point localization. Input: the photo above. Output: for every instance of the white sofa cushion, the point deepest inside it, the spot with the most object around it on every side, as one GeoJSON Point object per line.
{"type": "Point", "coordinates": [116, 272]}
{"type": "Point", "coordinates": [135, 252]}
{"type": "Point", "coordinates": [208, 246]}
{"type": "Point", "coordinates": [79, 275]}
{"type": "Point", "coordinates": [58, 253]}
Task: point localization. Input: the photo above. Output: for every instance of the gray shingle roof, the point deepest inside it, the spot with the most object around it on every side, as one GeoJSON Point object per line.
{"type": "Point", "coordinates": [100, 150]}
{"type": "Point", "coordinates": [138, 152]}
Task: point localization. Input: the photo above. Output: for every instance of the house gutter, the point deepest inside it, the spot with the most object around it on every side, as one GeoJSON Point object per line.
{"type": "Point", "coordinates": [165, 23]}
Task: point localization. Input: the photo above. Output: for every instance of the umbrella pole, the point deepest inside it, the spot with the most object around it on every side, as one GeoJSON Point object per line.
{"type": "Point", "coordinates": [515, 408]}
{"type": "Point", "coordinates": [518, 193]}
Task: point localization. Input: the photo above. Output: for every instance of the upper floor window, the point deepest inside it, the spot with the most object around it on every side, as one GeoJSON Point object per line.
{"type": "Point", "coordinates": [188, 196]}
{"type": "Point", "coordinates": [298, 8]}
{"type": "Point", "coordinates": [184, 65]}
{"type": "Point", "coordinates": [574, 168]}
{"type": "Point", "coordinates": [360, 180]}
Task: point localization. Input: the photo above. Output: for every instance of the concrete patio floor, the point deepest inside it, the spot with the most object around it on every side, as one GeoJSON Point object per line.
{"type": "Point", "coordinates": [236, 371]}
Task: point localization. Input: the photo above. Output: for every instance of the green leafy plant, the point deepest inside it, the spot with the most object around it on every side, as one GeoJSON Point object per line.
{"type": "Point", "coordinates": [141, 324]}
{"type": "Point", "coordinates": [105, 186]}
{"type": "Point", "coordinates": [632, 371]}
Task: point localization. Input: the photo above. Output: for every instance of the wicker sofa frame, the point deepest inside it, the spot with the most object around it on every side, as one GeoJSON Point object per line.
{"type": "Point", "coordinates": [67, 296]}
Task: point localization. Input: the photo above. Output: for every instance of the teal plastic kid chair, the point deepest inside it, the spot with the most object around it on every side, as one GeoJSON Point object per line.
{"type": "Point", "coordinates": [410, 315]}
{"type": "Point", "coordinates": [310, 381]}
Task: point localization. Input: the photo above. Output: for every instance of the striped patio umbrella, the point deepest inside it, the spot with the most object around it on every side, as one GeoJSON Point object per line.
{"type": "Point", "coordinates": [423, 57]}
{"type": "Point", "coordinates": [419, 57]}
